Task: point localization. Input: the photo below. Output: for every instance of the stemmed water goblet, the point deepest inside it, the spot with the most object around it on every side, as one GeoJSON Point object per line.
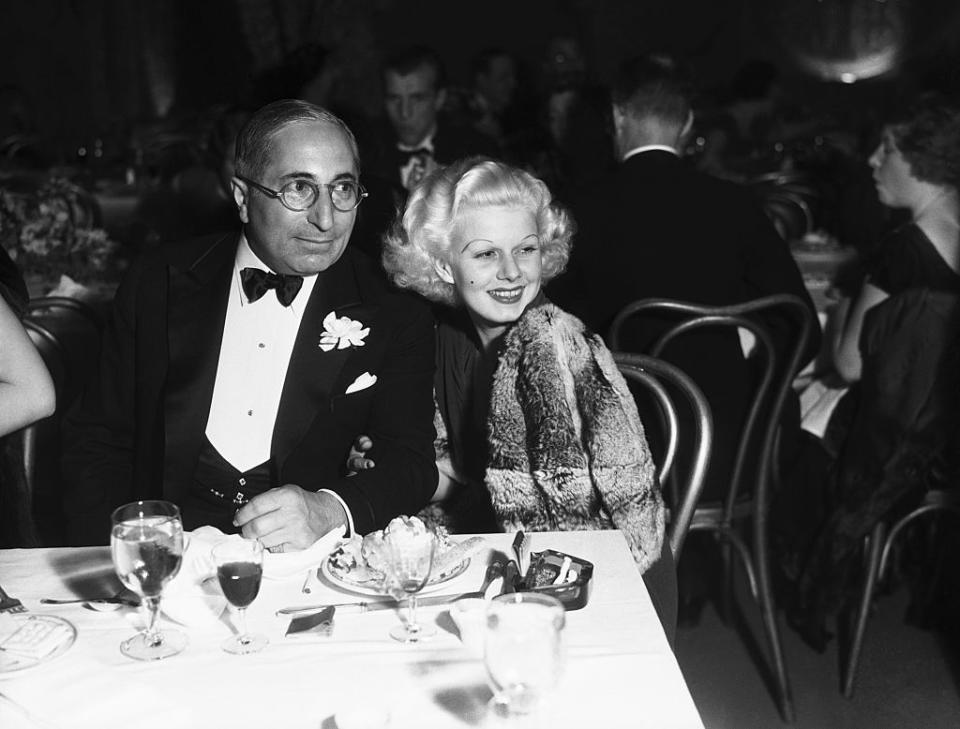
{"type": "Point", "coordinates": [407, 562]}
{"type": "Point", "coordinates": [523, 653]}
{"type": "Point", "coordinates": [239, 570]}
{"type": "Point", "coordinates": [146, 542]}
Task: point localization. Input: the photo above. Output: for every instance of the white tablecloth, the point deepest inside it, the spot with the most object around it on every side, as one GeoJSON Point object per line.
{"type": "Point", "coordinates": [620, 671]}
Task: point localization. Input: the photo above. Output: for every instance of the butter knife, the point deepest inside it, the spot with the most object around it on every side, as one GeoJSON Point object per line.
{"type": "Point", "coordinates": [369, 606]}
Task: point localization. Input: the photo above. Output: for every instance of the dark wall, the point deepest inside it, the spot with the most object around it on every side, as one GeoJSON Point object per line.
{"type": "Point", "coordinates": [89, 67]}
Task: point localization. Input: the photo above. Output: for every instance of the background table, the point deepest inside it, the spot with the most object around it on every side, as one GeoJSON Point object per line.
{"type": "Point", "coordinates": [620, 671]}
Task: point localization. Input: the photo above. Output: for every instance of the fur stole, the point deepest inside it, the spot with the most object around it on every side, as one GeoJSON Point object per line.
{"type": "Point", "coordinates": [566, 447]}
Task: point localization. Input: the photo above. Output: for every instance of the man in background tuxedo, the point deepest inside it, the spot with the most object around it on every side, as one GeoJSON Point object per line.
{"type": "Point", "coordinates": [658, 228]}
{"type": "Point", "coordinates": [237, 369]}
{"type": "Point", "coordinates": [420, 136]}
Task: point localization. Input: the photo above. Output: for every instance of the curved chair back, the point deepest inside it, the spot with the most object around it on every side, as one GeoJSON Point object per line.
{"type": "Point", "coordinates": [937, 502]}
{"type": "Point", "coordinates": [774, 384]}
{"type": "Point", "coordinates": [51, 351]}
{"type": "Point", "coordinates": [64, 304]}
{"type": "Point", "coordinates": [654, 374]}
{"type": "Point", "coordinates": [761, 426]}
{"type": "Point", "coordinates": [76, 325]}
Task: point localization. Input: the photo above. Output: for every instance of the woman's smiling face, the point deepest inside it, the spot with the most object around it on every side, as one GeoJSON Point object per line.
{"type": "Point", "coordinates": [495, 265]}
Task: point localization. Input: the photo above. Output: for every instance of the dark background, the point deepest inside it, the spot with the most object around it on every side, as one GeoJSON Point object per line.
{"type": "Point", "coordinates": [93, 68]}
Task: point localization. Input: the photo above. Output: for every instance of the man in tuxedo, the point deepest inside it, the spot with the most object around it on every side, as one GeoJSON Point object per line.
{"type": "Point", "coordinates": [237, 369]}
{"type": "Point", "coordinates": [420, 136]}
{"type": "Point", "coordinates": [656, 227]}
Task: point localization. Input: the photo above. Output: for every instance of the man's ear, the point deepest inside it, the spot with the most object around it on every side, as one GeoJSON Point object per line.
{"type": "Point", "coordinates": [440, 100]}
{"type": "Point", "coordinates": [443, 271]}
{"type": "Point", "coordinates": [241, 195]}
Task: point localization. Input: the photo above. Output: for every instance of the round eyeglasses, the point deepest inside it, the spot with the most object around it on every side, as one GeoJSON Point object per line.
{"type": "Point", "coordinates": [300, 195]}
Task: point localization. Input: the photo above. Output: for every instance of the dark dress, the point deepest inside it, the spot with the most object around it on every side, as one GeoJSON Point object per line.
{"type": "Point", "coordinates": [892, 436]}
{"type": "Point", "coordinates": [908, 260]}
{"type": "Point", "coordinates": [462, 385]}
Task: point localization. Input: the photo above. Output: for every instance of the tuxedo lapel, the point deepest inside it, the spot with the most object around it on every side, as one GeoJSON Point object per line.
{"type": "Point", "coordinates": [196, 311]}
{"type": "Point", "coordinates": [313, 373]}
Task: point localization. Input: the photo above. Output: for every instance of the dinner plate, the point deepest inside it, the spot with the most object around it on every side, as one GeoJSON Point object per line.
{"type": "Point", "coordinates": [10, 663]}
{"type": "Point", "coordinates": [344, 580]}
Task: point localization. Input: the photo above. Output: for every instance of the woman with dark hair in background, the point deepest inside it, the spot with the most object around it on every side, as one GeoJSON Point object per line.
{"type": "Point", "coordinates": [893, 435]}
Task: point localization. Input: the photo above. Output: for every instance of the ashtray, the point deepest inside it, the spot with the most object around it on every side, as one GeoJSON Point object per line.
{"type": "Point", "coordinates": [563, 576]}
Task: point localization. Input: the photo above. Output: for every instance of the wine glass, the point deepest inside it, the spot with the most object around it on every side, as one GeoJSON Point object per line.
{"type": "Point", "coordinates": [523, 652]}
{"type": "Point", "coordinates": [239, 570]}
{"type": "Point", "coordinates": [146, 541]}
{"type": "Point", "coordinates": [407, 561]}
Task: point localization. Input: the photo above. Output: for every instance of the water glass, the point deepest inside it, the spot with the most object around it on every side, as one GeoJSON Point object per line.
{"type": "Point", "coordinates": [146, 543]}
{"type": "Point", "coordinates": [523, 651]}
{"type": "Point", "coordinates": [407, 562]}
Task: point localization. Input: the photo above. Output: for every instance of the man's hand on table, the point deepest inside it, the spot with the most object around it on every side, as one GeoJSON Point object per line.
{"type": "Point", "coordinates": [289, 518]}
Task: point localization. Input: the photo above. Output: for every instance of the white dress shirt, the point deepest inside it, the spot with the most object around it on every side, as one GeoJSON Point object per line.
{"type": "Point", "coordinates": [258, 339]}
{"type": "Point", "coordinates": [418, 166]}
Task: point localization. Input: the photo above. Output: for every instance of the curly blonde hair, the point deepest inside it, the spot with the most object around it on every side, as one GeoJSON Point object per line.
{"type": "Point", "coordinates": [422, 235]}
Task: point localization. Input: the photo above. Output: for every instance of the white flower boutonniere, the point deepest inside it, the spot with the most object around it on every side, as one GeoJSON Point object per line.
{"type": "Point", "coordinates": [341, 332]}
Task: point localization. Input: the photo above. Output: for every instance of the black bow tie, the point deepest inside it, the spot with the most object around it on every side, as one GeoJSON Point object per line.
{"type": "Point", "coordinates": [256, 283]}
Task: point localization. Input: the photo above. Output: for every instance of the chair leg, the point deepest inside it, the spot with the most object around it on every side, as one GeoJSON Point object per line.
{"type": "Point", "coordinates": [866, 597]}
{"type": "Point", "coordinates": [785, 698]}
{"type": "Point", "coordinates": [729, 565]}
{"type": "Point", "coordinates": [769, 613]}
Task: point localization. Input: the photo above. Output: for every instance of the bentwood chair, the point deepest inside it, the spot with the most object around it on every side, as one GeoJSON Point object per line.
{"type": "Point", "coordinates": [755, 467]}
{"type": "Point", "coordinates": [76, 325]}
{"type": "Point", "coordinates": [655, 375]}
{"type": "Point", "coordinates": [937, 505]}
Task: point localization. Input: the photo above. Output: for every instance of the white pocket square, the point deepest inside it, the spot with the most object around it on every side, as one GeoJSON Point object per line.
{"type": "Point", "coordinates": [361, 383]}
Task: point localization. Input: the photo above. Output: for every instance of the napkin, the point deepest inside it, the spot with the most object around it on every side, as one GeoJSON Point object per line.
{"type": "Point", "coordinates": [817, 403]}
{"type": "Point", "coordinates": [193, 597]}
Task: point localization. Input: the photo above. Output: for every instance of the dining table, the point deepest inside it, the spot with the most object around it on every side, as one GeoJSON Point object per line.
{"type": "Point", "coordinates": [619, 670]}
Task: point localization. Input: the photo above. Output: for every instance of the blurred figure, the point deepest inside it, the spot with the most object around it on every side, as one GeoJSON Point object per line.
{"type": "Point", "coordinates": [19, 139]}
{"type": "Point", "coordinates": [574, 149]}
{"type": "Point", "coordinates": [916, 167]}
{"type": "Point", "coordinates": [26, 390]}
{"type": "Point", "coordinates": [26, 396]}
{"type": "Point", "coordinates": [564, 66]}
{"type": "Point", "coordinates": [893, 434]}
{"type": "Point", "coordinates": [419, 138]}
{"type": "Point", "coordinates": [494, 73]}
{"type": "Point", "coordinates": [198, 199]}
{"type": "Point", "coordinates": [656, 227]}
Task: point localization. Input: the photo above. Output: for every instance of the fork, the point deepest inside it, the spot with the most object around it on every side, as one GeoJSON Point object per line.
{"type": "Point", "coordinates": [10, 604]}
{"type": "Point", "coordinates": [494, 570]}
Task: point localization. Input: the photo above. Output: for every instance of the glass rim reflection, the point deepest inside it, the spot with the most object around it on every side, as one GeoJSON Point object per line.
{"type": "Point", "coordinates": [136, 511]}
